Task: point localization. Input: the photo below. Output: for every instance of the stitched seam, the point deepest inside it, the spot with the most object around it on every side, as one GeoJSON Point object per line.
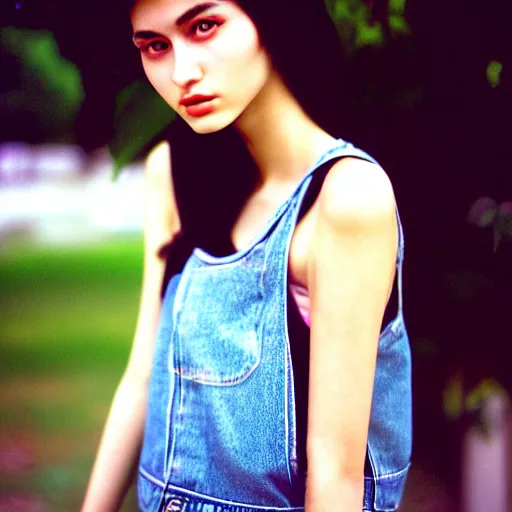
{"type": "Point", "coordinates": [227, 502]}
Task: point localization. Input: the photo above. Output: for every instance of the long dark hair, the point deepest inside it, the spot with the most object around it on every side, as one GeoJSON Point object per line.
{"type": "Point", "coordinates": [305, 49]}
{"type": "Point", "coordinates": [213, 174]}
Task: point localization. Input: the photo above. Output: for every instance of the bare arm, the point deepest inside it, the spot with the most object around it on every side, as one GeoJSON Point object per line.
{"type": "Point", "coordinates": [122, 436]}
{"type": "Point", "coordinates": [351, 268]}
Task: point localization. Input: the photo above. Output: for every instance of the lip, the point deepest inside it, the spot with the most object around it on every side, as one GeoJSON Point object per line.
{"type": "Point", "coordinates": [198, 105]}
{"type": "Point", "coordinates": [188, 101]}
{"type": "Point", "coordinates": [200, 109]}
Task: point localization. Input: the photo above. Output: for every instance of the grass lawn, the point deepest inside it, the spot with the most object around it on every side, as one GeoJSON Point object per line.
{"type": "Point", "coordinates": [67, 319]}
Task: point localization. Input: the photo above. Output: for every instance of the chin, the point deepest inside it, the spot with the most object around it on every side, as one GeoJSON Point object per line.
{"type": "Point", "coordinates": [205, 129]}
{"type": "Point", "coordinates": [209, 124]}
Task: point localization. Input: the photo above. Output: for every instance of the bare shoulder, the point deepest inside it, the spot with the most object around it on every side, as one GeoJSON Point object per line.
{"type": "Point", "coordinates": [162, 218]}
{"type": "Point", "coordinates": [158, 165]}
{"type": "Point", "coordinates": [356, 193]}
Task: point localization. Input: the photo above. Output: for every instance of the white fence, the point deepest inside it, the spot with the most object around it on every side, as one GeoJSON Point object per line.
{"type": "Point", "coordinates": [56, 194]}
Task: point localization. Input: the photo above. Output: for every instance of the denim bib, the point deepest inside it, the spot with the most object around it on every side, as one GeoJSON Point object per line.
{"type": "Point", "coordinates": [220, 431]}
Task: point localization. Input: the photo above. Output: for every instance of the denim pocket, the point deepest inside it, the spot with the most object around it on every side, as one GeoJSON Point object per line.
{"type": "Point", "coordinates": [216, 340]}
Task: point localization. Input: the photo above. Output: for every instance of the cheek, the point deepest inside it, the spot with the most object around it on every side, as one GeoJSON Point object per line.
{"type": "Point", "coordinates": [241, 57]}
{"type": "Point", "coordinates": [160, 77]}
{"type": "Point", "coordinates": [240, 43]}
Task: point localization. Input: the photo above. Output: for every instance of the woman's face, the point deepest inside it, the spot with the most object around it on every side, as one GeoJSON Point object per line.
{"type": "Point", "coordinates": [204, 58]}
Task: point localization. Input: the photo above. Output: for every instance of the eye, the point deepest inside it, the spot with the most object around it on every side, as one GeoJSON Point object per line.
{"type": "Point", "coordinates": [155, 48]}
{"type": "Point", "coordinates": [204, 28]}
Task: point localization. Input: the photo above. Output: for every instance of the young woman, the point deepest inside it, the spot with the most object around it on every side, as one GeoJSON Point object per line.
{"type": "Point", "coordinates": [281, 367]}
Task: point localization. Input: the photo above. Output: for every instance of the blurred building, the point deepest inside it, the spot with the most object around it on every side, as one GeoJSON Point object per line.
{"type": "Point", "coordinates": [56, 194]}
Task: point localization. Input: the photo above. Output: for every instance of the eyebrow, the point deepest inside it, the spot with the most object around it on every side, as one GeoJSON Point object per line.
{"type": "Point", "coordinates": [184, 18]}
{"type": "Point", "coordinates": [194, 11]}
{"type": "Point", "coordinates": [145, 34]}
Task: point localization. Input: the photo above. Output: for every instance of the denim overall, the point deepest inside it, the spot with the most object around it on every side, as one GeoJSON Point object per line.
{"type": "Point", "coordinates": [221, 425]}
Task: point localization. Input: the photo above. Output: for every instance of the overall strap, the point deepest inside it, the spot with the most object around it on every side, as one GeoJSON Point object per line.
{"type": "Point", "coordinates": [400, 260]}
{"type": "Point", "coordinates": [311, 184]}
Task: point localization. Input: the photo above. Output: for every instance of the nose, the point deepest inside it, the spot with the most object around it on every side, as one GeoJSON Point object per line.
{"type": "Point", "coordinates": [187, 69]}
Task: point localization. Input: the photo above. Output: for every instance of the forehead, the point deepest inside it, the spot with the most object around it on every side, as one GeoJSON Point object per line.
{"type": "Point", "coordinates": [167, 12]}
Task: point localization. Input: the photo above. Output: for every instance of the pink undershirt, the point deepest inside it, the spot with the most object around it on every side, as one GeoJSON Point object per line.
{"type": "Point", "coordinates": [301, 297]}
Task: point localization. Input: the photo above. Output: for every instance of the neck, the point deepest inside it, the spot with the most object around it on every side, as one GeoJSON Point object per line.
{"type": "Point", "coordinates": [281, 138]}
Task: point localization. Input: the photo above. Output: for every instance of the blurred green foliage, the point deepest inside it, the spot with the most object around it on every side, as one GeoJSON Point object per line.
{"type": "Point", "coordinates": [67, 320]}
{"type": "Point", "coordinates": [140, 115]}
{"type": "Point", "coordinates": [49, 89]}
{"type": "Point", "coordinates": [39, 54]}
{"type": "Point", "coordinates": [65, 309]}
{"type": "Point", "coordinates": [493, 73]}
{"type": "Point", "coordinates": [353, 21]}
{"type": "Point", "coordinates": [358, 28]}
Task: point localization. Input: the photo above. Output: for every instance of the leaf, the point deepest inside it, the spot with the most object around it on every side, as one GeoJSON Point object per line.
{"type": "Point", "coordinates": [369, 35]}
{"type": "Point", "coordinates": [453, 397]}
{"type": "Point", "coordinates": [40, 56]}
{"type": "Point", "coordinates": [353, 20]}
{"type": "Point", "coordinates": [49, 90]}
{"type": "Point", "coordinates": [397, 7]}
{"type": "Point", "coordinates": [399, 25]}
{"type": "Point", "coordinates": [481, 393]}
{"type": "Point", "coordinates": [483, 212]}
{"type": "Point", "coordinates": [493, 73]}
{"type": "Point", "coordinates": [141, 114]}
